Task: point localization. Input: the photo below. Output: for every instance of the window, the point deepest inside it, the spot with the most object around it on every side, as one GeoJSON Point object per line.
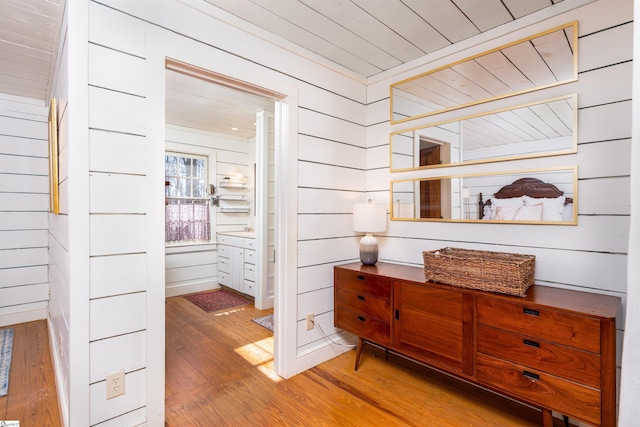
{"type": "Point", "coordinates": [187, 204]}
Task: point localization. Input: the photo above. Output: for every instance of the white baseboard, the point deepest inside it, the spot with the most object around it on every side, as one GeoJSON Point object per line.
{"type": "Point", "coordinates": [23, 316]}
{"type": "Point", "coordinates": [189, 288]}
{"type": "Point", "coordinates": [320, 354]}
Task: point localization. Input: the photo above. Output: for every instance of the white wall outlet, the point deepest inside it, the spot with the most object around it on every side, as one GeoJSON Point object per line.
{"type": "Point", "coordinates": [115, 384]}
{"type": "Point", "coordinates": [310, 322]}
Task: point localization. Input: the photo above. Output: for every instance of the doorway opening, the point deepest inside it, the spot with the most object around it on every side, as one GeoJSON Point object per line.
{"type": "Point", "coordinates": [233, 124]}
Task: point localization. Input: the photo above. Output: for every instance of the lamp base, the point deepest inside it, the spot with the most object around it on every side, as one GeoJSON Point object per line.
{"type": "Point", "coordinates": [368, 250]}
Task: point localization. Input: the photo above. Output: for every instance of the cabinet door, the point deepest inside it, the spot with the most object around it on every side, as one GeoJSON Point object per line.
{"type": "Point", "coordinates": [434, 325]}
{"type": "Point", "coordinates": [237, 269]}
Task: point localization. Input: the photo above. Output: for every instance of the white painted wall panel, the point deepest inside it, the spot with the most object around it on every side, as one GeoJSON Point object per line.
{"type": "Point", "coordinates": [24, 294]}
{"type": "Point", "coordinates": [22, 239]}
{"type": "Point", "coordinates": [26, 184]}
{"type": "Point", "coordinates": [117, 234]}
{"type": "Point", "coordinates": [23, 276]}
{"type": "Point", "coordinates": [314, 175]}
{"type": "Point", "coordinates": [117, 193]}
{"type": "Point", "coordinates": [23, 165]}
{"type": "Point", "coordinates": [117, 274]}
{"type": "Point", "coordinates": [134, 398]}
{"type": "Point", "coordinates": [19, 146]}
{"type": "Point", "coordinates": [318, 302]}
{"type": "Point", "coordinates": [181, 274]}
{"type": "Point", "coordinates": [117, 315]}
{"type": "Point", "coordinates": [315, 277]}
{"type": "Point", "coordinates": [23, 220]}
{"type": "Point", "coordinates": [314, 200]}
{"type": "Point", "coordinates": [23, 128]}
{"type": "Point", "coordinates": [126, 352]}
{"type": "Point", "coordinates": [324, 226]}
{"type": "Point", "coordinates": [331, 128]}
{"type": "Point", "coordinates": [112, 110]}
{"type": "Point", "coordinates": [20, 202]}
{"type": "Point", "coordinates": [320, 150]}
{"type": "Point", "coordinates": [313, 252]}
{"type": "Point", "coordinates": [595, 49]}
{"type": "Point", "coordinates": [106, 148]}
{"type": "Point", "coordinates": [112, 69]}
{"type": "Point", "coordinates": [605, 122]}
{"type": "Point", "coordinates": [23, 257]}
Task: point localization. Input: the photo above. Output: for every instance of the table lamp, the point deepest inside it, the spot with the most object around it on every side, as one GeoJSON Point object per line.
{"type": "Point", "coordinates": [369, 218]}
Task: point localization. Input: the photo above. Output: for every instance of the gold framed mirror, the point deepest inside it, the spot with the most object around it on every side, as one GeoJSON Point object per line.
{"type": "Point", "coordinates": [538, 129]}
{"type": "Point", "coordinates": [543, 60]}
{"type": "Point", "coordinates": [535, 196]}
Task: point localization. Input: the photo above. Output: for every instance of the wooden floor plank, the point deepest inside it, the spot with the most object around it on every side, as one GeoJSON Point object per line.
{"type": "Point", "coordinates": [32, 397]}
{"type": "Point", "coordinates": [230, 382]}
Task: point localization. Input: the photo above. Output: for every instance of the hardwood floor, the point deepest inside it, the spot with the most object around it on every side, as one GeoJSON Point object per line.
{"type": "Point", "coordinates": [219, 373]}
{"type": "Point", "coordinates": [31, 397]}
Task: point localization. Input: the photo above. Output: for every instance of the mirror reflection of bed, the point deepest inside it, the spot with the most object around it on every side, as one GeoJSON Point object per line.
{"type": "Point", "coordinates": [527, 199]}
{"type": "Point", "coordinates": [544, 196]}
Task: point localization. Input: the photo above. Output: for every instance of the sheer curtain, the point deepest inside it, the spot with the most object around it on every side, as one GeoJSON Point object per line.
{"type": "Point", "coordinates": [630, 383]}
{"type": "Point", "coordinates": [187, 220]}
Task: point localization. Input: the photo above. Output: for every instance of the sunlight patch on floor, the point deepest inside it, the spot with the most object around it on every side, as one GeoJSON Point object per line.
{"type": "Point", "coordinates": [260, 355]}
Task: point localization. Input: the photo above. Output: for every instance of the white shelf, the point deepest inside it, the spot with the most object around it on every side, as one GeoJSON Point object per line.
{"type": "Point", "coordinates": [233, 197]}
{"type": "Point", "coordinates": [234, 210]}
{"type": "Point", "coordinates": [227, 184]}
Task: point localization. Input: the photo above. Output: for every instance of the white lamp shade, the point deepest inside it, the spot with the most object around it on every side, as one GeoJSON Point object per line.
{"type": "Point", "coordinates": [369, 217]}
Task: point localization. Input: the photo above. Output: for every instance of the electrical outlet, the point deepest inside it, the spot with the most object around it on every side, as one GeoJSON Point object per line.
{"type": "Point", "coordinates": [115, 384]}
{"type": "Point", "coordinates": [310, 322]}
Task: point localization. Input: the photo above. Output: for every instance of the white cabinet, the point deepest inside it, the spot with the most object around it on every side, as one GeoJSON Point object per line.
{"type": "Point", "coordinates": [236, 263]}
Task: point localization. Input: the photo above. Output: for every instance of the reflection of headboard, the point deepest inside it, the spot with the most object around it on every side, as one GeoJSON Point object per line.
{"type": "Point", "coordinates": [531, 187]}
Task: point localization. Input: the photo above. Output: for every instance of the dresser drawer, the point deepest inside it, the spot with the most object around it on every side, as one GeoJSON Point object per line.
{"type": "Point", "coordinates": [365, 327]}
{"type": "Point", "coordinates": [363, 283]}
{"type": "Point", "coordinates": [566, 362]}
{"type": "Point", "coordinates": [541, 389]}
{"type": "Point", "coordinates": [550, 325]}
{"type": "Point", "coordinates": [250, 256]}
{"type": "Point", "coordinates": [365, 304]}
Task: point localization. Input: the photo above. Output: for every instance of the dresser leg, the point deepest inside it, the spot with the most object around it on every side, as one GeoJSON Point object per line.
{"type": "Point", "coordinates": [358, 352]}
{"type": "Point", "coordinates": [547, 418]}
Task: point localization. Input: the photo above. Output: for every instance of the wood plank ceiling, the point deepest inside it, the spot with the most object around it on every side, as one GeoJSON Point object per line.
{"type": "Point", "coordinates": [365, 37]}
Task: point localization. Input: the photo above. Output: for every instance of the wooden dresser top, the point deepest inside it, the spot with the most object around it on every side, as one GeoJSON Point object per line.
{"type": "Point", "coordinates": [568, 300]}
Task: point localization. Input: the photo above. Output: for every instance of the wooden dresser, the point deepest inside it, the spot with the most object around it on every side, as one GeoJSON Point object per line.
{"type": "Point", "coordinates": [554, 349]}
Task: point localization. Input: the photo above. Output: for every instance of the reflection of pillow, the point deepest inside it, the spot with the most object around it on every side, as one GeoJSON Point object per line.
{"type": "Point", "coordinates": [506, 212]}
{"type": "Point", "coordinates": [552, 208]}
{"type": "Point", "coordinates": [513, 201]}
{"type": "Point", "coordinates": [529, 213]}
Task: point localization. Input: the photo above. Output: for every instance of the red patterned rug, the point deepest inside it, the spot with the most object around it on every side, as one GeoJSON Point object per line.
{"type": "Point", "coordinates": [217, 300]}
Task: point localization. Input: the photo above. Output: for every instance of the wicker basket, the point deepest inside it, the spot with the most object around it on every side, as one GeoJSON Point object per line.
{"type": "Point", "coordinates": [488, 271]}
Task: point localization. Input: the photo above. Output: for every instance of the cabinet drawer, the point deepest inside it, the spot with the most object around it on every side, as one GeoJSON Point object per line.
{"type": "Point", "coordinates": [230, 240]}
{"type": "Point", "coordinates": [249, 288]}
{"type": "Point", "coordinates": [250, 272]}
{"type": "Point", "coordinates": [250, 257]}
{"type": "Point", "coordinates": [224, 278]}
{"type": "Point", "coordinates": [363, 283]}
{"type": "Point", "coordinates": [224, 264]}
{"type": "Point", "coordinates": [365, 327]}
{"type": "Point", "coordinates": [224, 251]}
{"type": "Point", "coordinates": [249, 243]}
{"type": "Point", "coordinates": [539, 388]}
{"type": "Point", "coordinates": [364, 304]}
{"type": "Point", "coordinates": [567, 329]}
{"type": "Point", "coordinates": [566, 362]}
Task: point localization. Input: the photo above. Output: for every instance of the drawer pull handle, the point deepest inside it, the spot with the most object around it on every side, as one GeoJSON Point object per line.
{"type": "Point", "coordinates": [531, 343]}
{"type": "Point", "coordinates": [531, 375]}
{"type": "Point", "coordinates": [360, 277]}
{"type": "Point", "coordinates": [531, 312]}
{"type": "Point", "coordinates": [360, 318]}
{"type": "Point", "coordinates": [361, 297]}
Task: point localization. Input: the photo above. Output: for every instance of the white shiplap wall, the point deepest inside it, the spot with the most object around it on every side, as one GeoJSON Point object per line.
{"type": "Point", "coordinates": [590, 256]}
{"type": "Point", "coordinates": [119, 255]}
{"type": "Point", "coordinates": [24, 202]}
